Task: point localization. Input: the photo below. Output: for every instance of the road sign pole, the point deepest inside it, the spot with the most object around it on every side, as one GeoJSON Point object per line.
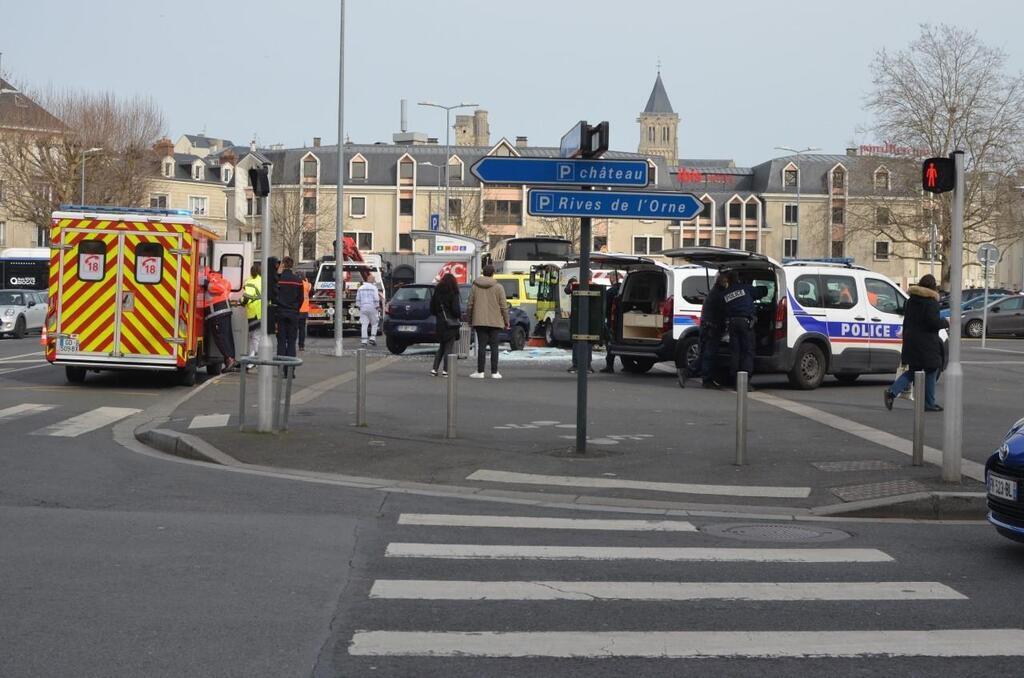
{"type": "Point", "coordinates": [582, 345]}
{"type": "Point", "coordinates": [952, 448]}
{"type": "Point", "coordinates": [265, 384]}
{"type": "Point", "coordinates": [984, 307]}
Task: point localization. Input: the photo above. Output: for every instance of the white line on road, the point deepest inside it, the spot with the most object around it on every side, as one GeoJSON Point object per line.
{"type": "Point", "coordinates": [416, 589]}
{"type": "Point", "coordinates": [618, 483]}
{"type": "Point", "coordinates": [656, 553]}
{"type": "Point", "coordinates": [25, 409]}
{"type": "Point", "coordinates": [86, 422]}
{"type": "Point", "coordinates": [23, 369]}
{"type": "Point", "coordinates": [314, 391]}
{"type": "Point", "coordinates": [692, 644]}
{"type": "Point", "coordinates": [10, 358]}
{"type": "Point", "coordinates": [971, 469]}
{"type": "Point", "coordinates": [992, 362]}
{"type": "Point", "coordinates": [532, 523]}
{"type": "Point", "coordinates": [209, 421]}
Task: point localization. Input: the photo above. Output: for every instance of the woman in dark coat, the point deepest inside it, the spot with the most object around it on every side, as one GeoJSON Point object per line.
{"type": "Point", "coordinates": [922, 346]}
{"type": "Point", "coordinates": [448, 311]}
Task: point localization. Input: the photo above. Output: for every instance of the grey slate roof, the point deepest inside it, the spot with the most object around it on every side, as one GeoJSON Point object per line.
{"type": "Point", "coordinates": [658, 101]}
{"type": "Point", "coordinates": [19, 111]}
{"type": "Point", "coordinates": [203, 141]}
{"type": "Point", "coordinates": [814, 169]}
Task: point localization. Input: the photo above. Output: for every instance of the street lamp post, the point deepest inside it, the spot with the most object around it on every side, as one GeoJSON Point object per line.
{"type": "Point", "coordinates": [85, 153]}
{"type": "Point", "coordinates": [447, 147]}
{"type": "Point", "coordinates": [799, 180]}
{"type": "Point", "coordinates": [438, 168]}
{"type": "Point", "coordinates": [339, 206]}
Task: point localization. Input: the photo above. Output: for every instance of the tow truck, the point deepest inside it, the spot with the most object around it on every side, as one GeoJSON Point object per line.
{"type": "Point", "coordinates": [356, 268]}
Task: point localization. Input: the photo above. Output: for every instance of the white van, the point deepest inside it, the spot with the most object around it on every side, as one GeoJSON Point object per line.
{"type": "Point", "coordinates": [813, 318]}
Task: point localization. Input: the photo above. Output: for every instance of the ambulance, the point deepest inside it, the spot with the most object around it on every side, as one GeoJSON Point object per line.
{"type": "Point", "coordinates": [126, 287]}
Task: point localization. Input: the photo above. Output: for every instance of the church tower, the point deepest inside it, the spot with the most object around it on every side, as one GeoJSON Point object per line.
{"type": "Point", "coordinates": [659, 126]}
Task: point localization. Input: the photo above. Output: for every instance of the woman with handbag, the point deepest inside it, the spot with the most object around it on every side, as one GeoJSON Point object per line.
{"type": "Point", "coordinates": [446, 308]}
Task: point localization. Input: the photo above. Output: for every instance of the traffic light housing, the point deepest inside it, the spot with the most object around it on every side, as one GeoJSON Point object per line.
{"type": "Point", "coordinates": [938, 175]}
{"type": "Point", "coordinates": [259, 179]}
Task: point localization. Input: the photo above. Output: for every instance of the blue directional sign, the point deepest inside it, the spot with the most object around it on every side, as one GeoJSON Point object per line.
{"type": "Point", "coordinates": [435, 222]}
{"type": "Point", "coordinates": [613, 204]}
{"type": "Point", "coordinates": [501, 170]}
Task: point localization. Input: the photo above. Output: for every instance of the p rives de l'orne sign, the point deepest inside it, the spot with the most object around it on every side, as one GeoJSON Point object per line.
{"type": "Point", "coordinates": [545, 202]}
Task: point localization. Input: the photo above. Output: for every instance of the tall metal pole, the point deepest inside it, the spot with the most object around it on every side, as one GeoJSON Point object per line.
{"type": "Point", "coordinates": [447, 155]}
{"type": "Point", "coordinates": [339, 208]}
{"type": "Point", "coordinates": [81, 195]}
{"type": "Point", "coordinates": [931, 252]}
{"type": "Point", "coordinates": [952, 448]}
{"type": "Point", "coordinates": [265, 384]}
{"type": "Point", "coordinates": [582, 347]}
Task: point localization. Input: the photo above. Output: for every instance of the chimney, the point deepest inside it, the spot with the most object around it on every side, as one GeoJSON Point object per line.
{"type": "Point", "coordinates": [851, 151]}
{"type": "Point", "coordinates": [521, 142]}
{"type": "Point", "coordinates": [252, 144]}
{"type": "Point", "coordinates": [432, 141]}
{"type": "Point", "coordinates": [316, 142]}
{"type": "Point", "coordinates": [228, 157]}
{"type": "Point", "coordinates": [405, 116]}
{"type": "Point", "coordinates": [481, 129]}
{"type": "Point", "coordinates": [164, 147]}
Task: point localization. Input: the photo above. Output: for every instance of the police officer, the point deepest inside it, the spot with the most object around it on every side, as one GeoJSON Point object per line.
{"type": "Point", "coordinates": [712, 326]}
{"type": "Point", "coordinates": [611, 295]}
{"type": "Point", "coordinates": [289, 300]}
{"type": "Point", "coordinates": [741, 314]}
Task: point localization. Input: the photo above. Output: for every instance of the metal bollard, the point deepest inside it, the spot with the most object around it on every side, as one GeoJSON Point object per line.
{"type": "Point", "coordinates": [241, 398]}
{"type": "Point", "coordinates": [918, 456]}
{"type": "Point", "coordinates": [741, 418]}
{"type": "Point", "coordinates": [361, 387]}
{"type": "Point", "coordinates": [452, 365]}
{"type": "Point", "coordinates": [286, 408]}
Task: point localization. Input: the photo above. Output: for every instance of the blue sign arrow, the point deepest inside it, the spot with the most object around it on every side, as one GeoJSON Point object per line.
{"type": "Point", "coordinates": [613, 204]}
{"type": "Point", "coordinates": [500, 170]}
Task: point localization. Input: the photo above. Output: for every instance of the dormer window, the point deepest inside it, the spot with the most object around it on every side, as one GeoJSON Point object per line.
{"type": "Point", "coordinates": [198, 171]}
{"type": "Point", "coordinates": [882, 179]}
{"type": "Point", "coordinates": [405, 169]}
{"type": "Point", "coordinates": [838, 178]}
{"type": "Point", "coordinates": [226, 173]}
{"type": "Point", "coordinates": [309, 168]}
{"type": "Point", "coordinates": [455, 168]}
{"type": "Point", "coordinates": [790, 177]}
{"type": "Point", "coordinates": [357, 168]}
{"type": "Point", "coordinates": [167, 168]}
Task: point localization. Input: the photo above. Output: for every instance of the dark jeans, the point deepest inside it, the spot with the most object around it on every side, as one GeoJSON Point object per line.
{"type": "Point", "coordinates": [220, 332]}
{"type": "Point", "coordinates": [609, 360]}
{"type": "Point", "coordinates": [741, 342]}
{"type": "Point", "coordinates": [486, 336]}
{"type": "Point", "coordinates": [287, 332]}
{"type": "Point", "coordinates": [710, 343]}
{"type": "Point", "coordinates": [906, 380]}
{"type": "Point", "coordinates": [302, 329]}
{"type": "Point", "coordinates": [444, 348]}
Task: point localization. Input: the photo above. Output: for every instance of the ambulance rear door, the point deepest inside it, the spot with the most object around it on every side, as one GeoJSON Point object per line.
{"type": "Point", "coordinates": [85, 290]}
{"type": "Point", "coordinates": [149, 297]}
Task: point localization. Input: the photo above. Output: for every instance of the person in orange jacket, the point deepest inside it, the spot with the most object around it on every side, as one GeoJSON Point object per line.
{"type": "Point", "coordinates": [304, 313]}
{"type": "Point", "coordinates": [216, 303]}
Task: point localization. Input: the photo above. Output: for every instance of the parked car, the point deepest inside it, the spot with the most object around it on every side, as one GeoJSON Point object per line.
{"type": "Point", "coordinates": [1004, 473]}
{"type": "Point", "coordinates": [1005, 318]}
{"type": "Point", "coordinates": [21, 311]}
{"type": "Point", "coordinates": [972, 293]}
{"type": "Point", "coordinates": [408, 321]}
{"type": "Point", "coordinates": [975, 303]}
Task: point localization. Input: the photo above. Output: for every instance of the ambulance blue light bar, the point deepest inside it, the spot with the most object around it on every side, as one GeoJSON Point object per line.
{"type": "Point", "coordinates": [107, 209]}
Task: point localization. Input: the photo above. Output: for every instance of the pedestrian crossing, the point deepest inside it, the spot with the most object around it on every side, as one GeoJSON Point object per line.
{"type": "Point", "coordinates": [70, 427]}
{"type": "Point", "coordinates": [675, 574]}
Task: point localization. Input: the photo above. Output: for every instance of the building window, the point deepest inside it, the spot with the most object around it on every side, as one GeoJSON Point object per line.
{"type": "Point", "coordinates": [404, 241]}
{"type": "Point", "coordinates": [357, 206]}
{"type": "Point", "coordinates": [357, 170]}
{"type": "Point", "coordinates": [647, 244]}
{"type": "Point", "coordinates": [882, 250]}
{"type": "Point", "coordinates": [405, 169]}
{"type": "Point", "coordinates": [838, 178]}
{"type": "Point", "coordinates": [253, 206]}
{"type": "Point", "coordinates": [735, 210]}
{"type": "Point", "coordinates": [750, 244]}
{"type": "Point", "coordinates": [790, 178]}
{"type": "Point", "coordinates": [197, 204]}
{"type": "Point", "coordinates": [838, 249]}
{"type": "Point", "coordinates": [226, 173]}
{"type": "Point", "coordinates": [838, 215]}
{"type": "Point", "coordinates": [706, 211]}
{"type": "Point", "coordinates": [259, 240]}
{"type": "Point", "coordinates": [704, 242]}
{"type": "Point", "coordinates": [790, 214]}
{"type": "Point", "coordinates": [600, 243]}
{"type": "Point", "coordinates": [308, 245]}
{"type": "Point", "coordinates": [167, 168]}
{"type": "Point", "coordinates": [789, 248]}
{"type": "Point", "coordinates": [735, 243]}
{"type": "Point", "coordinates": [650, 134]}
{"type": "Point", "coordinates": [750, 211]}
{"type": "Point", "coordinates": [455, 208]}
{"type": "Point", "coordinates": [664, 134]}
{"type": "Point", "coordinates": [454, 170]}
{"type": "Point", "coordinates": [503, 212]}
{"type": "Point", "coordinates": [363, 239]}
{"type": "Point", "coordinates": [309, 167]}
{"type": "Point", "coordinates": [405, 207]}
{"type": "Point", "coordinates": [881, 179]}
{"type": "Point", "coordinates": [158, 201]}
{"type": "Point", "coordinates": [689, 241]}
{"type": "Point", "coordinates": [198, 171]}
{"type": "Point", "coordinates": [309, 204]}
{"type": "Point", "coordinates": [882, 216]}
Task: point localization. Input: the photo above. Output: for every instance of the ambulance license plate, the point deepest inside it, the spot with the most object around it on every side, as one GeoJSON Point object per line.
{"type": "Point", "coordinates": [1003, 488]}
{"type": "Point", "coordinates": [67, 343]}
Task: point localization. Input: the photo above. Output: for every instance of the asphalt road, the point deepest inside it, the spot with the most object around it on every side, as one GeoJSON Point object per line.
{"type": "Point", "coordinates": [119, 564]}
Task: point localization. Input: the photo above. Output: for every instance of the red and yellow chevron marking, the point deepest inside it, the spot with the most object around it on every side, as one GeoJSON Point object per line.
{"type": "Point", "coordinates": [146, 328]}
{"type": "Point", "coordinates": [88, 307]}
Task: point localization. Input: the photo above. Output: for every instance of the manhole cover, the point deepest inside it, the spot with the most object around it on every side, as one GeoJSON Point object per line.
{"type": "Point", "coordinates": [775, 532]}
{"type": "Point", "coordinates": [865, 465]}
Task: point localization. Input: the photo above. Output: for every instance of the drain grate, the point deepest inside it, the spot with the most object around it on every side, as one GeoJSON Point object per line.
{"type": "Point", "coordinates": [775, 532]}
{"type": "Point", "coordinates": [865, 465]}
{"type": "Point", "coordinates": [878, 490]}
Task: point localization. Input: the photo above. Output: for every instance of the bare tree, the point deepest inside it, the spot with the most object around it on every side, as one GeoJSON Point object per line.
{"type": "Point", "coordinates": [563, 227]}
{"type": "Point", "coordinates": [42, 160]}
{"type": "Point", "coordinates": [291, 223]}
{"type": "Point", "coordinates": [946, 91]}
{"type": "Point", "coordinates": [468, 218]}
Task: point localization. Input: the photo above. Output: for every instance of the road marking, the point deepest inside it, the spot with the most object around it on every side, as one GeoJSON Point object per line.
{"type": "Point", "coordinates": [417, 589]}
{"type": "Point", "coordinates": [971, 469]}
{"type": "Point", "coordinates": [692, 644]}
{"type": "Point", "coordinates": [532, 523]}
{"type": "Point", "coordinates": [618, 483]}
{"type": "Point", "coordinates": [86, 422]}
{"type": "Point", "coordinates": [311, 393]}
{"type": "Point", "coordinates": [10, 358]}
{"type": "Point", "coordinates": [28, 361]}
{"type": "Point", "coordinates": [209, 421]}
{"type": "Point", "coordinates": [999, 350]}
{"type": "Point", "coordinates": [992, 362]}
{"type": "Point", "coordinates": [24, 408]}
{"type": "Point", "coordinates": [657, 553]}
{"type": "Point", "coordinates": [23, 369]}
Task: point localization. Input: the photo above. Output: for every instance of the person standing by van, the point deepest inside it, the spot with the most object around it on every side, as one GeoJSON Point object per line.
{"type": "Point", "coordinates": [922, 346]}
{"type": "Point", "coordinates": [611, 294]}
{"type": "Point", "coordinates": [252, 299]}
{"type": "Point", "coordinates": [741, 315]}
{"type": "Point", "coordinates": [445, 307]}
{"type": "Point", "coordinates": [488, 314]}
{"type": "Point", "coordinates": [289, 300]}
{"type": "Point", "coordinates": [368, 300]}
{"type": "Point", "coordinates": [712, 326]}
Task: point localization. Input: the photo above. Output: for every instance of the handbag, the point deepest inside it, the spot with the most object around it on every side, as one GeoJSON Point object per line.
{"type": "Point", "coordinates": [449, 322]}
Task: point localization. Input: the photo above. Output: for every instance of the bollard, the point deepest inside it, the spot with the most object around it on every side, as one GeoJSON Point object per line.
{"type": "Point", "coordinates": [918, 456]}
{"type": "Point", "coordinates": [361, 387]}
{"type": "Point", "coordinates": [741, 418]}
{"type": "Point", "coordinates": [241, 397]}
{"type": "Point", "coordinates": [452, 365]}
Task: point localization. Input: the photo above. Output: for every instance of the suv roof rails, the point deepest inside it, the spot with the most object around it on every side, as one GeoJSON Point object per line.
{"type": "Point", "coordinates": [839, 262]}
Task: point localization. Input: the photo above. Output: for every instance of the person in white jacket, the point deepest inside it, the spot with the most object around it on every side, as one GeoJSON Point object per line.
{"type": "Point", "coordinates": [368, 299]}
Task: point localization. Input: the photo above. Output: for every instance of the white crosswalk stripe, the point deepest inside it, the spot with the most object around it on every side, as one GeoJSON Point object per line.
{"type": "Point", "coordinates": [86, 422]}
{"type": "Point", "coordinates": [24, 409]}
{"type": "Point", "coordinates": [209, 421]}
{"type": "Point", "coordinates": [440, 520]}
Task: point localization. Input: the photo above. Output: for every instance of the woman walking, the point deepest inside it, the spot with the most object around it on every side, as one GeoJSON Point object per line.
{"type": "Point", "coordinates": [922, 346]}
{"type": "Point", "coordinates": [447, 310]}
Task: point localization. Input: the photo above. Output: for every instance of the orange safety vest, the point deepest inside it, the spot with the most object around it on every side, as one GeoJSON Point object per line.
{"type": "Point", "coordinates": [216, 297]}
{"type": "Point", "coordinates": [304, 308]}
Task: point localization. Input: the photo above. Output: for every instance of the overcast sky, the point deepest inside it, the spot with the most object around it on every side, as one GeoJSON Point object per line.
{"type": "Point", "coordinates": [743, 75]}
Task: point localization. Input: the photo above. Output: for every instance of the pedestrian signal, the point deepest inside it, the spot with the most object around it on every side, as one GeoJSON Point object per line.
{"type": "Point", "coordinates": [938, 175]}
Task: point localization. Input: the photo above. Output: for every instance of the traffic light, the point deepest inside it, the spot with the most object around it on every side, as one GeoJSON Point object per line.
{"type": "Point", "coordinates": [938, 175]}
{"type": "Point", "coordinates": [260, 181]}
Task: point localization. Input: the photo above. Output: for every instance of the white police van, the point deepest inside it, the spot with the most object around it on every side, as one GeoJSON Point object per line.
{"type": "Point", "coordinates": [813, 318]}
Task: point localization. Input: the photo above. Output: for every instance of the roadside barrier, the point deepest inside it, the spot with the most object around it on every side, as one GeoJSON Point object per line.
{"type": "Point", "coordinates": [281, 406]}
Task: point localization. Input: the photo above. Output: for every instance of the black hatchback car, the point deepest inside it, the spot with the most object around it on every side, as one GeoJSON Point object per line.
{"type": "Point", "coordinates": [408, 321]}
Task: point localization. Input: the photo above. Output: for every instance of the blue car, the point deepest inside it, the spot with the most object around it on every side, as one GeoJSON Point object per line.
{"type": "Point", "coordinates": [408, 321]}
{"type": "Point", "coordinates": [1004, 474]}
{"type": "Point", "coordinates": [972, 305]}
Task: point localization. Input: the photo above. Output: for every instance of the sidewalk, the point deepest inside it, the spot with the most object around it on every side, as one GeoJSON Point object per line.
{"type": "Point", "coordinates": [649, 440]}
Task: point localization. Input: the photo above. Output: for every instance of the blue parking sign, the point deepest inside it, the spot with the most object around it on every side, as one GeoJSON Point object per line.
{"type": "Point", "coordinates": [435, 222]}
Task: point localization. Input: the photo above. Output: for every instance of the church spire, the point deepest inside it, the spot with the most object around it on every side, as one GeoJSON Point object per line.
{"type": "Point", "coordinates": [658, 101]}
{"type": "Point", "coordinates": [659, 125]}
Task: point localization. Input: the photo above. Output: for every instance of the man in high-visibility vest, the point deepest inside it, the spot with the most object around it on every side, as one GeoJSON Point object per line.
{"type": "Point", "coordinates": [215, 301]}
{"type": "Point", "coordinates": [252, 299]}
{"type": "Point", "coordinates": [304, 313]}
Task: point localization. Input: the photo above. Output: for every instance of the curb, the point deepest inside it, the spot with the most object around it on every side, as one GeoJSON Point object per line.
{"type": "Point", "coordinates": [934, 505]}
{"type": "Point", "coordinates": [183, 445]}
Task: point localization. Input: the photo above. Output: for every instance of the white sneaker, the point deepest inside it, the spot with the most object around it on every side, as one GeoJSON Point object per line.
{"type": "Point", "coordinates": [496, 375]}
{"type": "Point", "coordinates": [477, 375]}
